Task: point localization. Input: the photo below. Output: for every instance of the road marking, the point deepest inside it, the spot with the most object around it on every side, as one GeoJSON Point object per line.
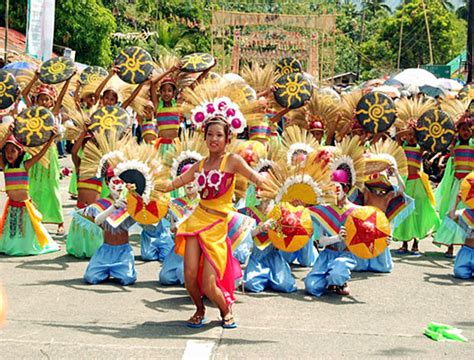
{"type": "Point", "coordinates": [198, 350]}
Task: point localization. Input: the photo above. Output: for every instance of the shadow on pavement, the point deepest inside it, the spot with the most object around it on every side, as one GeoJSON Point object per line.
{"type": "Point", "coordinates": [153, 330]}
{"type": "Point", "coordinates": [42, 264]}
{"type": "Point", "coordinates": [301, 295]}
{"type": "Point", "coordinates": [399, 351]}
{"type": "Point", "coordinates": [428, 259]}
{"type": "Point", "coordinates": [446, 280]}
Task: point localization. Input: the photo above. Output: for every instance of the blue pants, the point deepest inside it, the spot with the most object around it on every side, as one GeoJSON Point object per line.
{"type": "Point", "coordinates": [306, 256]}
{"type": "Point", "coordinates": [464, 264]}
{"type": "Point", "coordinates": [117, 261]}
{"type": "Point", "coordinates": [172, 269]}
{"type": "Point", "coordinates": [268, 268]}
{"type": "Point", "coordinates": [382, 263]}
{"type": "Point", "coordinates": [243, 251]}
{"type": "Point", "coordinates": [156, 241]}
{"type": "Point", "coordinates": [331, 268]}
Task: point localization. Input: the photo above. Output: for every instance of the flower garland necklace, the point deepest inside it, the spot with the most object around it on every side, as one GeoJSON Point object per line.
{"type": "Point", "coordinates": [213, 179]}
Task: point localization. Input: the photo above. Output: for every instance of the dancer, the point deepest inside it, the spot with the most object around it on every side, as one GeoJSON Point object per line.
{"type": "Point", "coordinates": [21, 231]}
{"type": "Point", "coordinates": [459, 165]}
{"type": "Point", "coordinates": [424, 218]}
{"type": "Point", "coordinates": [209, 266]}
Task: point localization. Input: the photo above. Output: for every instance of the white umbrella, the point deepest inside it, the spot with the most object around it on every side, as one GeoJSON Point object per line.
{"type": "Point", "coordinates": [450, 84]}
{"type": "Point", "coordinates": [416, 77]}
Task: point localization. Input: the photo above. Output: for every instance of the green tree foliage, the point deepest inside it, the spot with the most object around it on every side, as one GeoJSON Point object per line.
{"type": "Point", "coordinates": [83, 25]}
{"type": "Point", "coordinates": [447, 33]}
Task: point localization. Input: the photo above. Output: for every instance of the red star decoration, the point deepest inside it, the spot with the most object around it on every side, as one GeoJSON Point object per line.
{"type": "Point", "coordinates": [367, 232]}
{"type": "Point", "coordinates": [291, 223]}
{"type": "Point", "coordinates": [470, 194]}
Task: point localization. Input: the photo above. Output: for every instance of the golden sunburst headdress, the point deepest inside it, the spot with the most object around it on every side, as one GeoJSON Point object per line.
{"type": "Point", "coordinates": [457, 109]}
{"type": "Point", "coordinates": [410, 110]}
{"type": "Point", "coordinates": [296, 140]}
{"type": "Point", "coordinates": [349, 157]}
{"type": "Point", "coordinates": [309, 184]}
{"type": "Point", "coordinates": [321, 108]}
{"type": "Point", "coordinates": [188, 149]}
{"type": "Point", "coordinates": [259, 78]}
{"type": "Point", "coordinates": [389, 151]}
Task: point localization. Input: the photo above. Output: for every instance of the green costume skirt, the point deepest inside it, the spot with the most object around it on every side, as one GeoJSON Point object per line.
{"type": "Point", "coordinates": [44, 188]}
{"type": "Point", "coordinates": [422, 220]}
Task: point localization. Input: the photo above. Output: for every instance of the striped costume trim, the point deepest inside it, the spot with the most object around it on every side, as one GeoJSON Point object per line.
{"type": "Point", "coordinates": [90, 184]}
{"type": "Point", "coordinates": [330, 217]}
{"type": "Point", "coordinates": [414, 156]}
{"type": "Point", "coordinates": [464, 156]}
{"type": "Point", "coordinates": [16, 179]}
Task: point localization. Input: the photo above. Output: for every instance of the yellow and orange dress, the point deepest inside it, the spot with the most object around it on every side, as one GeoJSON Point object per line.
{"type": "Point", "coordinates": [21, 231]}
{"type": "Point", "coordinates": [209, 224]}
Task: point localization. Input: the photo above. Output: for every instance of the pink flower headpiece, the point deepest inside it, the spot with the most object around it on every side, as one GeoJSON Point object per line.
{"type": "Point", "coordinates": [222, 108]}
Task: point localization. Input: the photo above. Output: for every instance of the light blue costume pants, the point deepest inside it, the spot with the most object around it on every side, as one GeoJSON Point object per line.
{"type": "Point", "coordinates": [331, 268]}
{"type": "Point", "coordinates": [306, 256]}
{"type": "Point", "coordinates": [117, 261]}
{"type": "Point", "coordinates": [464, 264]}
{"type": "Point", "coordinates": [172, 269]}
{"type": "Point", "coordinates": [156, 241]}
{"type": "Point", "coordinates": [382, 263]}
{"type": "Point", "coordinates": [268, 269]}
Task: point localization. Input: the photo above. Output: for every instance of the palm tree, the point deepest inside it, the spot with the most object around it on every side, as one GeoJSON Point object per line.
{"type": "Point", "coordinates": [172, 38]}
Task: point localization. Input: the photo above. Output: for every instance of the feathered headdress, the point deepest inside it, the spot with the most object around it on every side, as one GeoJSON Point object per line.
{"type": "Point", "coordinates": [348, 107]}
{"type": "Point", "coordinates": [309, 184]}
{"type": "Point", "coordinates": [349, 157]}
{"type": "Point", "coordinates": [321, 108]}
{"type": "Point", "coordinates": [458, 110]}
{"type": "Point", "coordinates": [259, 78]}
{"type": "Point", "coordinates": [189, 149]}
{"type": "Point", "coordinates": [410, 110]}
{"type": "Point", "coordinates": [389, 151]}
{"type": "Point", "coordinates": [296, 140]}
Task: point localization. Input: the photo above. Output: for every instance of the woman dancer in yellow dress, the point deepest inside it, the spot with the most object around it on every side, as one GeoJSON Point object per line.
{"type": "Point", "coordinates": [209, 267]}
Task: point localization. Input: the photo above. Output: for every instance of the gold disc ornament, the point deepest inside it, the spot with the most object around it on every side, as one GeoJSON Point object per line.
{"type": "Point", "coordinates": [110, 118]}
{"type": "Point", "coordinates": [57, 70]}
{"type": "Point", "coordinates": [467, 190]}
{"type": "Point", "coordinates": [34, 126]}
{"type": "Point", "coordinates": [435, 131]}
{"type": "Point", "coordinates": [92, 74]}
{"type": "Point", "coordinates": [376, 112]}
{"type": "Point", "coordinates": [9, 89]}
{"type": "Point", "coordinates": [292, 228]}
{"type": "Point", "coordinates": [135, 65]}
{"type": "Point", "coordinates": [292, 90]}
{"type": "Point", "coordinates": [146, 213]}
{"type": "Point", "coordinates": [367, 230]}
{"type": "Point", "coordinates": [197, 62]}
{"type": "Point", "coordinates": [288, 65]}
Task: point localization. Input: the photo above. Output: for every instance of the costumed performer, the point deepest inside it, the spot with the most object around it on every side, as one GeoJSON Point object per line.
{"type": "Point", "coordinates": [424, 218]}
{"type": "Point", "coordinates": [21, 231]}
{"type": "Point", "coordinates": [460, 164]}
{"type": "Point", "coordinates": [383, 188]}
{"type": "Point", "coordinates": [209, 267]}
{"type": "Point", "coordinates": [44, 182]}
{"type": "Point", "coordinates": [333, 267]}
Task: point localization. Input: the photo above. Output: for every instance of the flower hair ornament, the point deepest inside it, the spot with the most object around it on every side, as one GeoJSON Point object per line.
{"type": "Point", "coordinates": [222, 108]}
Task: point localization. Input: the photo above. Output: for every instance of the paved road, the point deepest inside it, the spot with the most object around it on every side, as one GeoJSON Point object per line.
{"type": "Point", "coordinates": [53, 314]}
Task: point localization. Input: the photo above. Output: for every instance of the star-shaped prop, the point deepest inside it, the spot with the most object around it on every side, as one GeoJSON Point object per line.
{"type": "Point", "coordinates": [293, 227]}
{"type": "Point", "coordinates": [367, 231]}
{"type": "Point", "coordinates": [467, 190]}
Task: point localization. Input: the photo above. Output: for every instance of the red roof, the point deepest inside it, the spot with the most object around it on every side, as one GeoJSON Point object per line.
{"type": "Point", "coordinates": [16, 40]}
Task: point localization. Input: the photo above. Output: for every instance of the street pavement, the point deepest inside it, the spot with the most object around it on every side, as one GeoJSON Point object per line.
{"type": "Point", "coordinates": [53, 314]}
